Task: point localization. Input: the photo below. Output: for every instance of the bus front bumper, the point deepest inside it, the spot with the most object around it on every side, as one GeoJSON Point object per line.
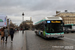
{"type": "Point", "coordinates": [54, 36]}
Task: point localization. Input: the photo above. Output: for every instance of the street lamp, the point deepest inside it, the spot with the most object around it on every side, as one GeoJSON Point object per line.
{"type": "Point", "coordinates": [23, 22]}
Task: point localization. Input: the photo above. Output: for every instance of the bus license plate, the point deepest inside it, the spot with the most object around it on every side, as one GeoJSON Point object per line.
{"type": "Point", "coordinates": [56, 34]}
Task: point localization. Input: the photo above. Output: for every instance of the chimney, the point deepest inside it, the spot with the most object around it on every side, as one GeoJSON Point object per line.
{"type": "Point", "coordinates": [65, 10]}
{"type": "Point", "coordinates": [30, 18]}
{"type": "Point", "coordinates": [57, 12]}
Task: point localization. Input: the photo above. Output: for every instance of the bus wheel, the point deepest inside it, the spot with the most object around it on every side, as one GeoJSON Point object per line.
{"type": "Point", "coordinates": [67, 32]}
{"type": "Point", "coordinates": [45, 37]}
{"type": "Point", "coordinates": [71, 31]}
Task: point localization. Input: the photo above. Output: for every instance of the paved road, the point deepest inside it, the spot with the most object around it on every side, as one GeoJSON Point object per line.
{"type": "Point", "coordinates": [18, 42]}
{"type": "Point", "coordinates": [29, 41]}
{"type": "Point", "coordinates": [37, 43]}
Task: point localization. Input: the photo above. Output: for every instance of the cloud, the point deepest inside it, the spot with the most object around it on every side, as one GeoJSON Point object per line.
{"type": "Point", "coordinates": [17, 19]}
{"type": "Point", "coordinates": [37, 9]}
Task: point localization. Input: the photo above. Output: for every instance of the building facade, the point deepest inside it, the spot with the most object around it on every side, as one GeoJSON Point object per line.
{"type": "Point", "coordinates": [29, 22]}
{"type": "Point", "coordinates": [68, 17]}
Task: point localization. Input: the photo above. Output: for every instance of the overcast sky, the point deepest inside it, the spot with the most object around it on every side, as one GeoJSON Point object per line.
{"type": "Point", "coordinates": [37, 9]}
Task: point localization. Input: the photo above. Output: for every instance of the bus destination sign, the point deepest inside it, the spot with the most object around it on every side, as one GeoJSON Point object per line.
{"type": "Point", "coordinates": [55, 21]}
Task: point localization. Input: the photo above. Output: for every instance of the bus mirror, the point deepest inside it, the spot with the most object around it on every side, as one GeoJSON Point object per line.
{"type": "Point", "coordinates": [45, 25]}
{"type": "Point", "coordinates": [63, 24]}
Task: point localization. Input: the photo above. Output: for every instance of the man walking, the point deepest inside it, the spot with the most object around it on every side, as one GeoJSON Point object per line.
{"type": "Point", "coordinates": [11, 34]}
{"type": "Point", "coordinates": [6, 33]}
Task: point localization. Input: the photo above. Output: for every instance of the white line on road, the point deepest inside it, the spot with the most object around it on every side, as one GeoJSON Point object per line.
{"type": "Point", "coordinates": [69, 38]}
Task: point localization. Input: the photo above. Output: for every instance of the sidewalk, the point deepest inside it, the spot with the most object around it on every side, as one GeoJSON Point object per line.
{"type": "Point", "coordinates": [18, 43]}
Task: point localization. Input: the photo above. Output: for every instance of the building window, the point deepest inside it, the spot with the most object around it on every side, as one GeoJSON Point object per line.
{"type": "Point", "coordinates": [67, 16]}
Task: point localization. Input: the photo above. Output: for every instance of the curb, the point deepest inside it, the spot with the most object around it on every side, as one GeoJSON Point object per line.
{"type": "Point", "coordinates": [24, 45]}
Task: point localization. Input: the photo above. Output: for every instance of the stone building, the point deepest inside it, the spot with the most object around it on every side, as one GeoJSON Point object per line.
{"type": "Point", "coordinates": [68, 17]}
{"type": "Point", "coordinates": [28, 22]}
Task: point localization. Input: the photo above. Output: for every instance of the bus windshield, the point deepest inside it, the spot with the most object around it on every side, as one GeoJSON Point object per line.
{"type": "Point", "coordinates": [54, 28]}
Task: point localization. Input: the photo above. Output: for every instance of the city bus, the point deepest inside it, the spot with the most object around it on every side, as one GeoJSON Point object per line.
{"type": "Point", "coordinates": [50, 27]}
{"type": "Point", "coordinates": [69, 28]}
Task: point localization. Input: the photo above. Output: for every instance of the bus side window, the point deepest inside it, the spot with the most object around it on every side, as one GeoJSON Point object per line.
{"type": "Point", "coordinates": [45, 24]}
{"type": "Point", "coordinates": [42, 27]}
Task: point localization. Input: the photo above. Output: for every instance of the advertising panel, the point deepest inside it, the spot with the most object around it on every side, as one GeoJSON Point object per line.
{"type": "Point", "coordinates": [3, 21]}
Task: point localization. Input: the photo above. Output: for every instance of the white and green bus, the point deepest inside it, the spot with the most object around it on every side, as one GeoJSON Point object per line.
{"type": "Point", "coordinates": [50, 27]}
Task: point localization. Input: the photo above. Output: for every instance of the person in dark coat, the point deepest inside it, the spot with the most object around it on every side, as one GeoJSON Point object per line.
{"type": "Point", "coordinates": [11, 34]}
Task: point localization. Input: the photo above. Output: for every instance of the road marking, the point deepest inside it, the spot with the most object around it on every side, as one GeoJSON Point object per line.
{"type": "Point", "coordinates": [69, 38]}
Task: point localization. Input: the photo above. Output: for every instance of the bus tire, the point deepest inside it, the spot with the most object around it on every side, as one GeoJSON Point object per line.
{"type": "Point", "coordinates": [67, 32]}
{"type": "Point", "coordinates": [36, 33]}
{"type": "Point", "coordinates": [71, 31]}
{"type": "Point", "coordinates": [45, 37]}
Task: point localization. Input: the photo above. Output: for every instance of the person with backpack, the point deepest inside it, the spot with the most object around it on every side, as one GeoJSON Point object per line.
{"type": "Point", "coordinates": [6, 33]}
{"type": "Point", "coordinates": [2, 34]}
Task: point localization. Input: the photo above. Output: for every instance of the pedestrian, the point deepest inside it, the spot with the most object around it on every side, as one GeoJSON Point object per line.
{"type": "Point", "coordinates": [6, 33]}
{"type": "Point", "coordinates": [11, 34]}
{"type": "Point", "coordinates": [2, 34]}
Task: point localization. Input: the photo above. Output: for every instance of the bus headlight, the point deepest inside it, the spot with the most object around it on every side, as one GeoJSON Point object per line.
{"type": "Point", "coordinates": [47, 35]}
{"type": "Point", "coordinates": [62, 35]}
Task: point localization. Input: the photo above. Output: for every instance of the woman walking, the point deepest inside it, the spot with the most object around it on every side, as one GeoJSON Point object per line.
{"type": "Point", "coordinates": [2, 34]}
{"type": "Point", "coordinates": [6, 33]}
{"type": "Point", "coordinates": [11, 34]}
